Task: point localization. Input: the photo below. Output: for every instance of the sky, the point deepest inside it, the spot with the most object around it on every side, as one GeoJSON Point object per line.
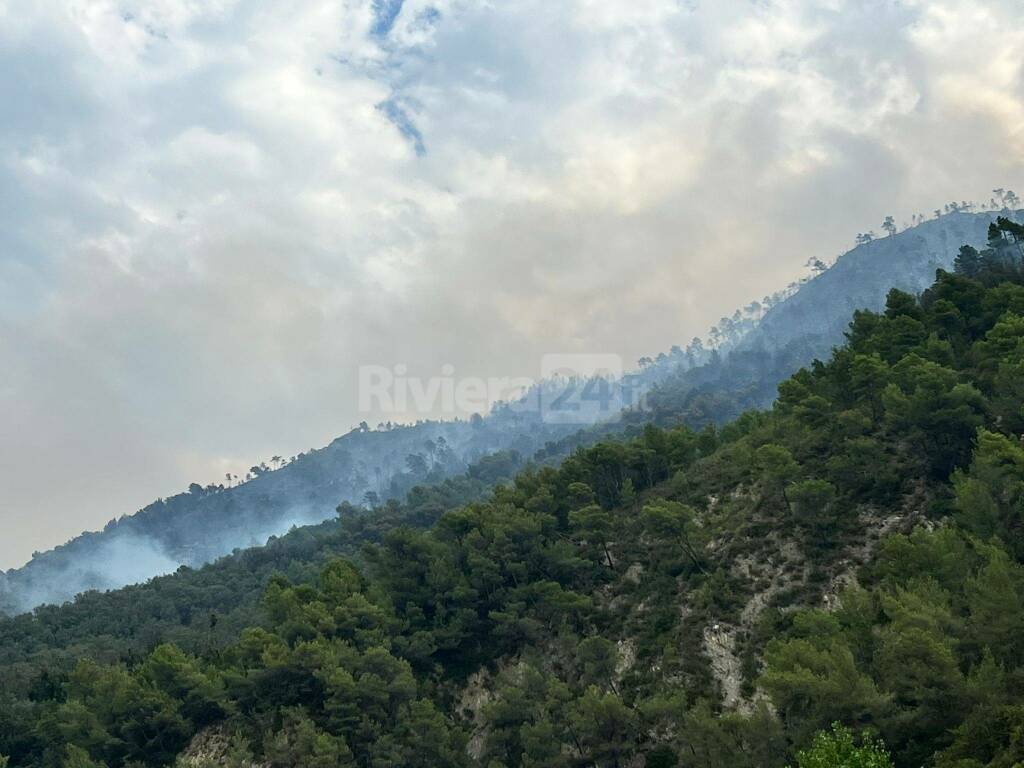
{"type": "Point", "coordinates": [213, 212]}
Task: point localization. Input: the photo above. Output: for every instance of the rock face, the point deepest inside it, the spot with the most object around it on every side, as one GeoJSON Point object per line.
{"type": "Point", "coordinates": [720, 647]}
{"type": "Point", "coordinates": [213, 747]}
{"type": "Point", "coordinates": [475, 696]}
{"type": "Point", "coordinates": [778, 569]}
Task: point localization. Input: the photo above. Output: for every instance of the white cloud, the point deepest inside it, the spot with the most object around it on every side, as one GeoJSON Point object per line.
{"type": "Point", "coordinates": [212, 212]}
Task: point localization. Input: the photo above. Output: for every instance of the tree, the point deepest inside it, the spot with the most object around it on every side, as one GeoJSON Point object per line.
{"type": "Point", "coordinates": [300, 744]}
{"type": "Point", "coordinates": [595, 525]}
{"type": "Point", "coordinates": [597, 657]}
{"type": "Point", "coordinates": [171, 671]}
{"type": "Point", "coordinates": [990, 495]}
{"type": "Point", "coordinates": [74, 757]}
{"type": "Point", "coordinates": [423, 739]}
{"type": "Point", "coordinates": [580, 495]}
{"type": "Point", "coordinates": [672, 525]}
{"type": "Point", "coordinates": [710, 739]}
{"type": "Point", "coordinates": [967, 261]}
{"type": "Point", "coordinates": [916, 665]}
{"type": "Point", "coordinates": [416, 464]}
{"type": "Point", "coordinates": [937, 413]}
{"type": "Point", "coordinates": [812, 502]}
{"type": "Point", "coordinates": [996, 599]}
{"type": "Point", "coordinates": [813, 682]}
{"type": "Point", "coordinates": [605, 728]}
{"type": "Point", "coordinates": [838, 749]}
{"type": "Point", "coordinates": [868, 376]}
{"type": "Point", "coordinates": [778, 468]}
{"type": "Point", "coordinates": [889, 225]}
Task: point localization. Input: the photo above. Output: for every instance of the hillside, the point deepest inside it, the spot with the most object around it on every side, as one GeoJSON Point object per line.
{"type": "Point", "coordinates": [816, 316]}
{"type": "Point", "coordinates": [810, 321]}
{"type": "Point", "coordinates": [205, 523]}
{"type": "Point", "coordinates": [697, 386]}
{"type": "Point", "coordinates": [723, 597]}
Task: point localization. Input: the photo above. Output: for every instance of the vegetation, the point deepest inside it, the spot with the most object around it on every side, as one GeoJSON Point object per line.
{"type": "Point", "coordinates": [749, 595]}
{"type": "Point", "coordinates": [206, 608]}
{"type": "Point", "coordinates": [838, 749]}
{"type": "Point", "coordinates": [736, 368]}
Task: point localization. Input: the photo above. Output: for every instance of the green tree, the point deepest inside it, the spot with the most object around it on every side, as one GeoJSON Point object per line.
{"type": "Point", "coordinates": [710, 739]}
{"type": "Point", "coordinates": [814, 683]}
{"type": "Point", "coordinates": [995, 596]}
{"type": "Point", "coordinates": [597, 657]}
{"type": "Point", "coordinates": [73, 757]}
{"type": "Point", "coordinates": [673, 527]}
{"type": "Point", "coordinates": [580, 495]}
{"type": "Point", "coordinates": [967, 261]}
{"type": "Point", "coordinates": [868, 376]}
{"type": "Point", "coordinates": [171, 671]}
{"type": "Point", "coordinates": [813, 503]}
{"type": "Point", "coordinates": [595, 524]}
{"type": "Point", "coordinates": [605, 728]}
{"type": "Point", "coordinates": [838, 749]}
{"type": "Point", "coordinates": [300, 744]}
{"type": "Point", "coordinates": [990, 495]}
{"type": "Point", "coordinates": [778, 468]}
{"type": "Point", "coordinates": [423, 739]}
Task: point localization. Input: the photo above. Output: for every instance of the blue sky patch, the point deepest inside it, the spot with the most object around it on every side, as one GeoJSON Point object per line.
{"type": "Point", "coordinates": [394, 112]}
{"type": "Point", "coordinates": [384, 14]}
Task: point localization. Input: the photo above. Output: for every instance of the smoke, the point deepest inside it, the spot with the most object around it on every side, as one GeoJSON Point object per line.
{"type": "Point", "coordinates": [113, 562]}
{"type": "Point", "coordinates": [119, 557]}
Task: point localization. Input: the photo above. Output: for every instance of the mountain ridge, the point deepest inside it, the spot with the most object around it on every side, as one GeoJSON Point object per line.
{"type": "Point", "coordinates": [702, 385]}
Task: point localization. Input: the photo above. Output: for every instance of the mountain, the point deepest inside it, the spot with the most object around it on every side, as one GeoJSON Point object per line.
{"type": "Point", "coordinates": [811, 319]}
{"type": "Point", "coordinates": [748, 355]}
{"type": "Point", "coordinates": [205, 523]}
{"type": "Point", "coordinates": [838, 581]}
{"type": "Point", "coordinates": [815, 317]}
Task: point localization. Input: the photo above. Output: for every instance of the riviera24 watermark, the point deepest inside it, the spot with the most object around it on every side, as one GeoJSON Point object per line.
{"type": "Point", "coordinates": [572, 388]}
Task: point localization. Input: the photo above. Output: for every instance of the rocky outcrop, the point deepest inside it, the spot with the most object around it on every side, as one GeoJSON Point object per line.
{"type": "Point", "coordinates": [216, 747]}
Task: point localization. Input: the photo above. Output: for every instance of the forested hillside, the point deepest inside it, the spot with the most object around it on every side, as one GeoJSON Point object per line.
{"type": "Point", "coordinates": [363, 467]}
{"type": "Point", "coordinates": [810, 321]}
{"type": "Point", "coordinates": [838, 581]}
{"type": "Point", "coordinates": [746, 356]}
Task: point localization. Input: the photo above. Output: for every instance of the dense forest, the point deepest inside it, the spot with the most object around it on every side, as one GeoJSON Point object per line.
{"type": "Point", "coordinates": [712, 381]}
{"type": "Point", "coordinates": [838, 581]}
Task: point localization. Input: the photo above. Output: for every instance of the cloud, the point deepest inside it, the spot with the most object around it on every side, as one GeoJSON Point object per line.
{"type": "Point", "coordinates": [212, 212]}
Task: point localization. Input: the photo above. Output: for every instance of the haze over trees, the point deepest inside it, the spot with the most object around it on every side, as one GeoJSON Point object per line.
{"type": "Point", "coordinates": [711, 381]}
{"type": "Point", "coordinates": [836, 581]}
